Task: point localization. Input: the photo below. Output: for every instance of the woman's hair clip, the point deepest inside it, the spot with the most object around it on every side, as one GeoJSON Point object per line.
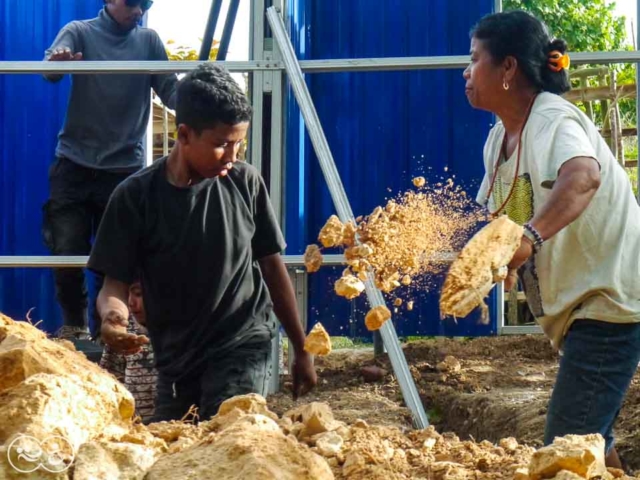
{"type": "Point", "coordinates": [558, 61]}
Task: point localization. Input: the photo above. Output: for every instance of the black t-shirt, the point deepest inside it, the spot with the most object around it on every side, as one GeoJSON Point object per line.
{"type": "Point", "coordinates": [196, 249]}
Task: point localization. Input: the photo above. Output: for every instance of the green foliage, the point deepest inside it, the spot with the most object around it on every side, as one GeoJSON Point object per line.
{"type": "Point", "coordinates": [586, 25]}
{"type": "Point", "coordinates": [633, 176]}
{"type": "Point", "coordinates": [183, 53]}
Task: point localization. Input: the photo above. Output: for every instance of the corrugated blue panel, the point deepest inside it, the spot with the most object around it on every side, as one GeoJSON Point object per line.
{"type": "Point", "coordinates": [383, 129]}
{"type": "Point", "coordinates": [31, 113]}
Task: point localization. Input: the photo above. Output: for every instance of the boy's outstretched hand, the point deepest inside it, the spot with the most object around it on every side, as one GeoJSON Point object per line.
{"type": "Point", "coordinates": [114, 334]}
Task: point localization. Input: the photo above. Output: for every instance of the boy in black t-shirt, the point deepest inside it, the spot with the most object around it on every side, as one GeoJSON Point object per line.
{"type": "Point", "coordinates": [199, 226]}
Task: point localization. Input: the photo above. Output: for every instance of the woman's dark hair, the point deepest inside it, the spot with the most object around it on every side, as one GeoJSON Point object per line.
{"type": "Point", "coordinates": [208, 96]}
{"type": "Point", "coordinates": [520, 35]}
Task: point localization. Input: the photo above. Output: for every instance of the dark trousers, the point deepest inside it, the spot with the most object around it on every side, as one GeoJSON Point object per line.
{"type": "Point", "coordinates": [243, 370]}
{"type": "Point", "coordinates": [78, 197]}
{"type": "Point", "coordinates": [598, 363]}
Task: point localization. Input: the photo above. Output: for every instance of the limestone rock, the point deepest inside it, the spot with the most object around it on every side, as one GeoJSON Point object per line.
{"type": "Point", "coordinates": [318, 341]}
{"type": "Point", "coordinates": [329, 444]}
{"type": "Point", "coordinates": [13, 468]}
{"type": "Point", "coordinates": [419, 182]}
{"type": "Point", "coordinates": [353, 463]}
{"type": "Point", "coordinates": [349, 287]}
{"type": "Point", "coordinates": [581, 455]}
{"type": "Point", "coordinates": [113, 461]}
{"type": "Point", "coordinates": [45, 405]}
{"type": "Point", "coordinates": [349, 234]}
{"type": "Point", "coordinates": [566, 475]}
{"type": "Point", "coordinates": [509, 444]}
{"type": "Point", "coordinates": [358, 252]}
{"type": "Point", "coordinates": [172, 431]}
{"type": "Point", "coordinates": [316, 418]}
{"type": "Point", "coordinates": [332, 233]}
{"type": "Point", "coordinates": [471, 275]}
{"type": "Point", "coordinates": [25, 351]}
{"type": "Point", "coordinates": [450, 364]}
{"type": "Point", "coordinates": [388, 283]}
{"type": "Point", "coordinates": [235, 408]}
{"type": "Point", "coordinates": [312, 258]}
{"type": "Point", "coordinates": [253, 448]}
{"type": "Point", "coordinates": [251, 403]}
{"type": "Point", "coordinates": [615, 472]}
{"type": "Point", "coordinates": [376, 317]}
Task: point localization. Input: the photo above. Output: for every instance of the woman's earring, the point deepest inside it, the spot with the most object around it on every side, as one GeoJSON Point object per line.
{"type": "Point", "coordinates": [505, 85]}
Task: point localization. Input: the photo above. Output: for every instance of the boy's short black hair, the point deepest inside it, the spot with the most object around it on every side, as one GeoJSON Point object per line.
{"type": "Point", "coordinates": [208, 96]}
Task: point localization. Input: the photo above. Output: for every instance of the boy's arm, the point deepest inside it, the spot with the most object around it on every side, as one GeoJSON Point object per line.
{"type": "Point", "coordinates": [113, 310]}
{"type": "Point", "coordinates": [284, 304]}
{"type": "Point", "coordinates": [115, 254]}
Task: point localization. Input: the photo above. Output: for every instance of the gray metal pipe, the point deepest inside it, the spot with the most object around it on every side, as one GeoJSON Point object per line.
{"type": "Point", "coordinates": [341, 202]}
{"type": "Point", "coordinates": [307, 66]}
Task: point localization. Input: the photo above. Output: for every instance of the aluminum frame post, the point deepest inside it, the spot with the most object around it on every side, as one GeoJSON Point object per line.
{"type": "Point", "coordinates": [256, 83]}
{"type": "Point", "coordinates": [338, 194]}
{"type": "Point", "coordinates": [210, 30]}
{"type": "Point", "coordinates": [256, 138]}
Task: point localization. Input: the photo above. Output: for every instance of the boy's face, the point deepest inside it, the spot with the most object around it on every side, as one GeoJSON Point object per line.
{"type": "Point", "coordinates": [213, 152]}
{"type": "Point", "coordinates": [136, 305]}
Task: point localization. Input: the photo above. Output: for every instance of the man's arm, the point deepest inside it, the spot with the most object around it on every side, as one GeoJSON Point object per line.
{"type": "Point", "coordinates": [284, 304]}
{"type": "Point", "coordinates": [112, 308]}
{"type": "Point", "coordinates": [64, 48]}
{"type": "Point", "coordinates": [165, 85]}
{"type": "Point", "coordinates": [577, 183]}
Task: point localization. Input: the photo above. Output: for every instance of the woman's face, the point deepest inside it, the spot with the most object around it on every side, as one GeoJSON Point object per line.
{"type": "Point", "coordinates": [484, 87]}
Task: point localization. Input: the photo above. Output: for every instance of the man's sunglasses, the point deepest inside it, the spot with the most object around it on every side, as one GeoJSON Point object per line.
{"type": "Point", "coordinates": [143, 4]}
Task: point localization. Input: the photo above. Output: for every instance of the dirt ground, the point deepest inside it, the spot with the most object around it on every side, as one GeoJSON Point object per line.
{"type": "Point", "coordinates": [501, 390]}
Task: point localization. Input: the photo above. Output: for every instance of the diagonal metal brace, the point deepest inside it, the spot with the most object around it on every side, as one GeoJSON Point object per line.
{"type": "Point", "coordinates": [343, 208]}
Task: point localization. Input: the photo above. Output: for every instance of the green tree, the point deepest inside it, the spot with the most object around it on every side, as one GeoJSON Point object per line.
{"type": "Point", "coordinates": [183, 53]}
{"type": "Point", "coordinates": [586, 25]}
{"type": "Point", "coordinates": [589, 25]}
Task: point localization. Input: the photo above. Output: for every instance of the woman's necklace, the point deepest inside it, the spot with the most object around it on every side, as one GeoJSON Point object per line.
{"type": "Point", "coordinates": [503, 151]}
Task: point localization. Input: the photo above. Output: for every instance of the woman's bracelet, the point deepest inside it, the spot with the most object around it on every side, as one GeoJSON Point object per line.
{"type": "Point", "coordinates": [532, 234]}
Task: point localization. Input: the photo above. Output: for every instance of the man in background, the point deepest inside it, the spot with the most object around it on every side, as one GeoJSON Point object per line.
{"type": "Point", "coordinates": [101, 141]}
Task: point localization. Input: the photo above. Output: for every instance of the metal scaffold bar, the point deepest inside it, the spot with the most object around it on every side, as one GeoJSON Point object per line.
{"type": "Point", "coordinates": [113, 67]}
{"type": "Point", "coordinates": [338, 194]}
{"type": "Point", "coordinates": [61, 261]}
{"type": "Point", "coordinates": [81, 261]}
{"type": "Point", "coordinates": [307, 66]}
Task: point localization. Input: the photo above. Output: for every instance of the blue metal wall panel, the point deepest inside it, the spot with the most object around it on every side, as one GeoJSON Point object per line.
{"type": "Point", "coordinates": [31, 113]}
{"type": "Point", "coordinates": [383, 128]}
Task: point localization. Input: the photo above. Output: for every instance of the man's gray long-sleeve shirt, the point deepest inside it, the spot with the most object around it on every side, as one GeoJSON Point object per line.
{"type": "Point", "coordinates": [107, 116]}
